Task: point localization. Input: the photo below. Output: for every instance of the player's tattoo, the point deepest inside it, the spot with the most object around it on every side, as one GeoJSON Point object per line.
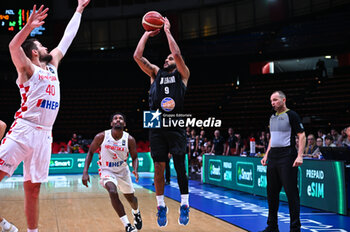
{"type": "Point", "coordinates": [145, 62]}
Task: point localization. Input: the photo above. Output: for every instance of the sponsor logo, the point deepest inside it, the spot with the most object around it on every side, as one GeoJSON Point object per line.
{"type": "Point", "coordinates": [167, 104]}
{"type": "Point", "coordinates": [215, 167]}
{"type": "Point", "coordinates": [47, 104]}
{"type": "Point", "coordinates": [3, 163]}
{"type": "Point", "coordinates": [61, 163]}
{"type": "Point", "coordinates": [262, 179]}
{"type": "Point", "coordinates": [114, 164]}
{"type": "Point", "coordinates": [244, 174]}
{"type": "Point", "coordinates": [315, 189]}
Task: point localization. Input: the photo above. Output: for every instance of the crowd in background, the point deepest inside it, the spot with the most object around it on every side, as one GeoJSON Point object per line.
{"type": "Point", "coordinates": [234, 145]}
{"type": "Point", "coordinates": [231, 143]}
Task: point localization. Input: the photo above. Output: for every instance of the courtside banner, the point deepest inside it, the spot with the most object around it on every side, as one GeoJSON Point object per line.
{"type": "Point", "coordinates": [321, 182]}
{"type": "Point", "coordinates": [74, 164]}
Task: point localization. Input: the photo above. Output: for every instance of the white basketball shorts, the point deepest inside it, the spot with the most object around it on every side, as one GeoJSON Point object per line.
{"type": "Point", "coordinates": [31, 144]}
{"type": "Point", "coordinates": [121, 179]}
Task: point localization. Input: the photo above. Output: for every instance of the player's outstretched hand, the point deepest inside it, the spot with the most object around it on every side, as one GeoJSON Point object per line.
{"type": "Point", "coordinates": [36, 19]}
{"type": "Point", "coordinates": [83, 3]}
{"type": "Point", "coordinates": [136, 174]}
{"type": "Point", "coordinates": [86, 179]}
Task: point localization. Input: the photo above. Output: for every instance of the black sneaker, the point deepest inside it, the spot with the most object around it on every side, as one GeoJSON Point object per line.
{"type": "Point", "coordinates": [130, 228]}
{"type": "Point", "coordinates": [271, 229]}
{"type": "Point", "coordinates": [137, 220]}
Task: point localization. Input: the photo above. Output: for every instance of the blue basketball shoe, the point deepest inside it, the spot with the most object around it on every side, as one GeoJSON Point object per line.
{"type": "Point", "coordinates": [161, 216]}
{"type": "Point", "coordinates": [184, 215]}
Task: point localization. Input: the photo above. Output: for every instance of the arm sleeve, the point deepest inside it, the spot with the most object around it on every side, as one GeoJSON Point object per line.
{"type": "Point", "coordinates": [69, 33]}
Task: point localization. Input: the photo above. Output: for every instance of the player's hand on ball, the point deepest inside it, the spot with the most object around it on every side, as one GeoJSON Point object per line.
{"type": "Point", "coordinates": [166, 25]}
{"type": "Point", "coordinates": [153, 33]}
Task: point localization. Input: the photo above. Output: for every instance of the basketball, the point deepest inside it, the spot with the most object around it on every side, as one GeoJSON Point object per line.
{"type": "Point", "coordinates": [152, 20]}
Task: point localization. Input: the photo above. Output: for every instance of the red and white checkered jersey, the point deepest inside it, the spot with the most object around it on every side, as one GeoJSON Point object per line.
{"type": "Point", "coordinates": [40, 97]}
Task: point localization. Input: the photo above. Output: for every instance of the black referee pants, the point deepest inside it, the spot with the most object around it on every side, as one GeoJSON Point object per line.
{"type": "Point", "coordinates": [281, 173]}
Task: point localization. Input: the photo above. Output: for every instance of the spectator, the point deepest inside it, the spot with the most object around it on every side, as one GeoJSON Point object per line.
{"type": "Point", "coordinates": [202, 139]}
{"type": "Point", "coordinates": [347, 140]}
{"type": "Point", "coordinates": [192, 148]}
{"type": "Point", "coordinates": [231, 143]}
{"type": "Point", "coordinates": [319, 142]}
{"type": "Point", "coordinates": [209, 148]}
{"type": "Point", "coordinates": [260, 143]}
{"type": "Point", "coordinates": [200, 159]}
{"type": "Point", "coordinates": [240, 146]}
{"type": "Point", "coordinates": [219, 145]}
{"type": "Point", "coordinates": [336, 136]}
{"type": "Point", "coordinates": [329, 141]}
{"type": "Point", "coordinates": [73, 144]}
{"type": "Point", "coordinates": [342, 138]}
{"type": "Point", "coordinates": [62, 150]}
{"type": "Point", "coordinates": [321, 133]}
{"type": "Point", "coordinates": [311, 145]}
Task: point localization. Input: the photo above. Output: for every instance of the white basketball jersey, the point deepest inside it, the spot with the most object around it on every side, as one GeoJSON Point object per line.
{"type": "Point", "coordinates": [40, 97]}
{"type": "Point", "coordinates": [114, 153]}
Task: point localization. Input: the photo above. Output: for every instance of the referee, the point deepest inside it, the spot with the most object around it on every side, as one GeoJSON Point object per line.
{"type": "Point", "coordinates": [282, 160]}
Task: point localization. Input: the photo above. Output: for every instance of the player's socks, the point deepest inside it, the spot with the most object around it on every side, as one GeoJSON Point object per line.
{"type": "Point", "coordinates": [160, 200]}
{"type": "Point", "coordinates": [185, 199]}
{"type": "Point", "coordinates": [125, 220]}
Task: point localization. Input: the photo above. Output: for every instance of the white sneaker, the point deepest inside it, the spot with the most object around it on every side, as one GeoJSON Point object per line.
{"type": "Point", "coordinates": [12, 229]}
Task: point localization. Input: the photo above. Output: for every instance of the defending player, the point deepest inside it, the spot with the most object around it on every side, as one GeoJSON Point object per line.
{"type": "Point", "coordinates": [29, 138]}
{"type": "Point", "coordinates": [114, 172]}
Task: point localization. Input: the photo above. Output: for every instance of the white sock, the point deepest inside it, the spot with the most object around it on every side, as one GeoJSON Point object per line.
{"type": "Point", "coordinates": [135, 211]}
{"type": "Point", "coordinates": [160, 200]}
{"type": "Point", "coordinates": [184, 199]}
{"type": "Point", "coordinates": [125, 220]}
{"type": "Point", "coordinates": [5, 224]}
{"type": "Point", "coordinates": [32, 230]}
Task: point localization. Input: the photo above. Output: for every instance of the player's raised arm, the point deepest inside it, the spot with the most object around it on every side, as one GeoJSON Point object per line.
{"type": "Point", "coordinates": [69, 34]}
{"type": "Point", "coordinates": [175, 51]}
{"type": "Point", "coordinates": [133, 154]}
{"type": "Point", "coordinates": [150, 69]}
{"type": "Point", "coordinates": [96, 143]}
{"type": "Point", "coordinates": [22, 63]}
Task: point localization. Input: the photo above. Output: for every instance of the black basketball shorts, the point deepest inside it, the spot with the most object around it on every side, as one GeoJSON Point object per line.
{"type": "Point", "coordinates": [164, 141]}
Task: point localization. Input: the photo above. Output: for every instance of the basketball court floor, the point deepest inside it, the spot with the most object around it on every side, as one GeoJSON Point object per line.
{"type": "Point", "coordinates": [66, 205]}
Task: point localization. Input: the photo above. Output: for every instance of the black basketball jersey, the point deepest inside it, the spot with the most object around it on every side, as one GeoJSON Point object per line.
{"type": "Point", "coordinates": [167, 92]}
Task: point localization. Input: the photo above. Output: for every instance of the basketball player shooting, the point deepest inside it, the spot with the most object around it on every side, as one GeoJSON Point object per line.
{"type": "Point", "coordinates": [168, 85]}
{"type": "Point", "coordinates": [29, 138]}
{"type": "Point", "coordinates": [115, 146]}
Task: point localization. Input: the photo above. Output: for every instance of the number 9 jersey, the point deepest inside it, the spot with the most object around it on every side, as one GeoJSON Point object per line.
{"type": "Point", "coordinates": [40, 97]}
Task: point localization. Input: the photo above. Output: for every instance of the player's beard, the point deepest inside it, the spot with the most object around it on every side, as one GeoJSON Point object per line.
{"type": "Point", "coordinates": [45, 58]}
{"type": "Point", "coordinates": [118, 127]}
{"type": "Point", "coordinates": [170, 67]}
